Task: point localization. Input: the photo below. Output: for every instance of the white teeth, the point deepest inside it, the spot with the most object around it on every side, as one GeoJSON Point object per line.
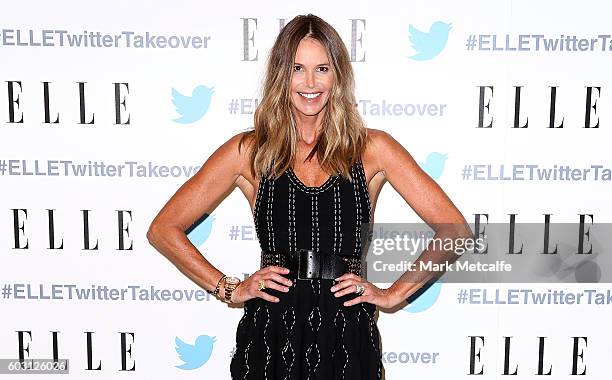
{"type": "Point", "coordinates": [309, 96]}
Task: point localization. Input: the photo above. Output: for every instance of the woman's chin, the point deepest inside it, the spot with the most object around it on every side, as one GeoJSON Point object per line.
{"type": "Point", "coordinates": [309, 112]}
{"type": "Point", "coordinates": [309, 109]}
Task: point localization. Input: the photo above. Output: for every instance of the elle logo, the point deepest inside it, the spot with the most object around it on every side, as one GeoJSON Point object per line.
{"type": "Point", "coordinates": [485, 97]}
{"type": "Point", "coordinates": [576, 361]}
{"type": "Point", "coordinates": [25, 340]}
{"type": "Point", "coordinates": [16, 93]}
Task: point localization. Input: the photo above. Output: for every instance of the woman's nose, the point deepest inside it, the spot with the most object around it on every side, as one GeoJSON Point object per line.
{"type": "Point", "coordinates": [310, 79]}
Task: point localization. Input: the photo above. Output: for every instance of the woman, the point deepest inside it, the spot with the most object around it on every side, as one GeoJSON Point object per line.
{"type": "Point", "coordinates": [311, 172]}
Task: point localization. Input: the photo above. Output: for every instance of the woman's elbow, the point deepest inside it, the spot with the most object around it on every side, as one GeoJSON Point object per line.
{"type": "Point", "coordinates": [153, 232]}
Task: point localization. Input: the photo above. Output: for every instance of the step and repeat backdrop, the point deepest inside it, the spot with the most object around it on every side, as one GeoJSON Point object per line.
{"type": "Point", "coordinates": [107, 108]}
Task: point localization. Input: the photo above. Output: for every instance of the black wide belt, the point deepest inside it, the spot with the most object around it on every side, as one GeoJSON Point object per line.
{"type": "Point", "coordinates": [310, 264]}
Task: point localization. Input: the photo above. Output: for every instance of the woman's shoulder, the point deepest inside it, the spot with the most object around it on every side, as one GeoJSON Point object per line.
{"type": "Point", "coordinates": [377, 137]}
{"type": "Point", "coordinates": [382, 141]}
{"type": "Point", "coordinates": [233, 154]}
{"type": "Point", "coordinates": [239, 145]}
{"type": "Point", "coordinates": [380, 147]}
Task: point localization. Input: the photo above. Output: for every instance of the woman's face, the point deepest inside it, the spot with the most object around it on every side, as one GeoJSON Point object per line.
{"type": "Point", "coordinates": [312, 78]}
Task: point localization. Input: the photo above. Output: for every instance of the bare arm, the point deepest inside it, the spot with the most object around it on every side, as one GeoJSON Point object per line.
{"type": "Point", "coordinates": [427, 199]}
{"type": "Point", "coordinates": [199, 195]}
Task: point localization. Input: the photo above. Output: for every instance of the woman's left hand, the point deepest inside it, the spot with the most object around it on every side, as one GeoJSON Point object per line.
{"type": "Point", "coordinates": [346, 284]}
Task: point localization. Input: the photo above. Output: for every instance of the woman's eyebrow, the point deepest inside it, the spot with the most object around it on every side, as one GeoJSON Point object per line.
{"type": "Point", "coordinates": [320, 64]}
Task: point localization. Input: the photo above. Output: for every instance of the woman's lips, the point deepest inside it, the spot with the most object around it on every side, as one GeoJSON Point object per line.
{"type": "Point", "coordinates": [310, 96]}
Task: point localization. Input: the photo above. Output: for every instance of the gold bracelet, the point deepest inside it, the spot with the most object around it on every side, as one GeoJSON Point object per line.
{"type": "Point", "coordinates": [217, 288]}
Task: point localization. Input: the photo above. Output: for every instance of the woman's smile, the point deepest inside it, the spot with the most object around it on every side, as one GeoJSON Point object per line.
{"type": "Point", "coordinates": [310, 97]}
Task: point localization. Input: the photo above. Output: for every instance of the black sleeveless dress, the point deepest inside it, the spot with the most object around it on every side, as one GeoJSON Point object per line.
{"type": "Point", "coordinates": [309, 334]}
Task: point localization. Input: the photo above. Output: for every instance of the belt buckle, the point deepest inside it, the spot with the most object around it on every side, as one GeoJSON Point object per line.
{"type": "Point", "coordinates": [305, 271]}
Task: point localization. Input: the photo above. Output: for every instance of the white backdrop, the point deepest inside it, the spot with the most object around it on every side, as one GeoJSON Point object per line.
{"type": "Point", "coordinates": [50, 166]}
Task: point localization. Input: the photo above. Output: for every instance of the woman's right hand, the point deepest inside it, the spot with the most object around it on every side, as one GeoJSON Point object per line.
{"type": "Point", "coordinates": [249, 288]}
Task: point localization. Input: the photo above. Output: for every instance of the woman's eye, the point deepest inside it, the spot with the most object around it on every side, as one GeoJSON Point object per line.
{"type": "Point", "coordinates": [296, 68]}
{"type": "Point", "coordinates": [324, 69]}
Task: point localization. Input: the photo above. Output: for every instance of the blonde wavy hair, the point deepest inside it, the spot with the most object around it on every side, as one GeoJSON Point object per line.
{"type": "Point", "coordinates": [274, 134]}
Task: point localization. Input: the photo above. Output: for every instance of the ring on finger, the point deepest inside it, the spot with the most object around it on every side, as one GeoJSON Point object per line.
{"type": "Point", "coordinates": [359, 289]}
{"type": "Point", "coordinates": [262, 284]}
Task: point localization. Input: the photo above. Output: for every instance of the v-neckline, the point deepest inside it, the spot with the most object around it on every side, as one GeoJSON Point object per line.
{"type": "Point", "coordinates": [323, 185]}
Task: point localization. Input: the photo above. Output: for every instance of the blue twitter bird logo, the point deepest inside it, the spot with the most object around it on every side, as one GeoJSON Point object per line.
{"type": "Point", "coordinates": [434, 164]}
{"type": "Point", "coordinates": [194, 356]}
{"type": "Point", "coordinates": [192, 108]}
{"type": "Point", "coordinates": [198, 235]}
{"type": "Point", "coordinates": [429, 45]}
